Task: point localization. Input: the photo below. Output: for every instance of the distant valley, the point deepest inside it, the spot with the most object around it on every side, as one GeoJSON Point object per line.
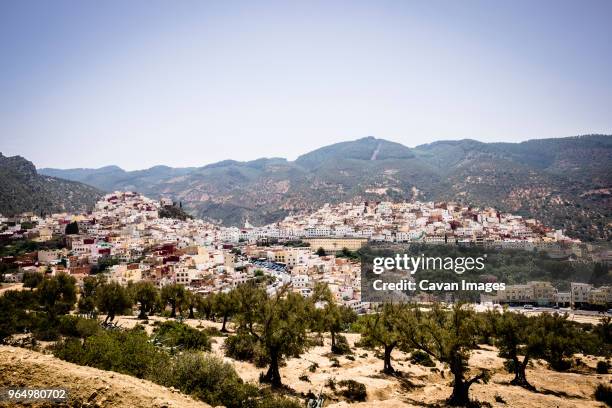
{"type": "Point", "coordinates": [565, 182]}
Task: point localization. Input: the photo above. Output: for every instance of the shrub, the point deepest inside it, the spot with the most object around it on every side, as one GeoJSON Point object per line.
{"type": "Point", "coordinates": [74, 326]}
{"type": "Point", "coordinates": [313, 367]}
{"type": "Point", "coordinates": [352, 390]}
{"type": "Point", "coordinates": [331, 383]}
{"type": "Point", "coordinates": [241, 346]}
{"type": "Point", "coordinates": [603, 393]}
{"type": "Point", "coordinates": [342, 345]}
{"type": "Point", "coordinates": [603, 367]}
{"type": "Point", "coordinates": [422, 358]}
{"type": "Point", "coordinates": [207, 378]}
{"type": "Point", "coordinates": [499, 398]}
{"type": "Point", "coordinates": [335, 362]}
{"type": "Point", "coordinates": [125, 351]}
{"type": "Point", "coordinates": [44, 327]}
{"type": "Point", "coordinates": [175, 334]}
{"type": "Point", "coordinates": [304, 377]}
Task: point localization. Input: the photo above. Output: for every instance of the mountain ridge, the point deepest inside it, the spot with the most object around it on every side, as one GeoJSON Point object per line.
{"type": "Point", "coordinates": [551, 179]}
{"type": "Point", "coordinates": [23, 189]}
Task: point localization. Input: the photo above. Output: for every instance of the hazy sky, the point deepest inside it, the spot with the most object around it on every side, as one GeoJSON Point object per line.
{"type": "Point", "coordinates": [181, 83]}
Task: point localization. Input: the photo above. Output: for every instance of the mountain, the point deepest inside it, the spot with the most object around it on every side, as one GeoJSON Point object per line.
{"type": "Point", "coordinates": [23, 189]}
{"type": "Point", "coordinates": [565, 181]}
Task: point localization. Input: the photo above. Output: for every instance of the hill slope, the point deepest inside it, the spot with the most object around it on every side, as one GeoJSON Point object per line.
{"type": "Point", "coordinates": [565, 182]}
{"type": "Point", "coordinates": [23, 189]}
{"type": "Point", "coordinates": [87, 386]}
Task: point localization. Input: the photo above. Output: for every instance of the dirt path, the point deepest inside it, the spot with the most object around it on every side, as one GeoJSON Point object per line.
{"type": "Point", "coordinates": [87, 386]}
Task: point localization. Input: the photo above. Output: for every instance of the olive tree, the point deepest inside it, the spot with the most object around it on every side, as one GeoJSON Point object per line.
{"type": "Point", "coordinates": [279, 327]}
{"type": "Point", "coordinates": [112, 298]}
{"type": "Point", "coordinates": [145, 294]}
{"type": "Point", "coordinates": [449, 337]}
{"type": "Point", "coordinates": [384, 329]}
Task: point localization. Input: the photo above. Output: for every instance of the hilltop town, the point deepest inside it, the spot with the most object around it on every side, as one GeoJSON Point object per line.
{"type": "Point", "coordinates": [126, 238]}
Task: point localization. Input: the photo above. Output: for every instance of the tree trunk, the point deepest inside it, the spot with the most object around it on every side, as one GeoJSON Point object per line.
{"type": "Point", "coordinates": [461, 388]}
{"type": "Point", "coordinates": [273, 375]}
{"type": "Point", "coordinates": [520, 378]}
{"type": "Point", "coordinates": [143, 313]}
{"type": "Point", "coordinates": [223, 329]}
{"type": "Point", "coordinates": [333, 342]}
{"type": "Point", "coordinates": [191, 315]}
{"type": "Point", "coordinates": [460, 395]}
{"type": "Point", "coordinates": [109, 317]}
{"type": "Point", "coordinates": [388, 369]}
{"type": "Point", "coordinates": [173, 313]}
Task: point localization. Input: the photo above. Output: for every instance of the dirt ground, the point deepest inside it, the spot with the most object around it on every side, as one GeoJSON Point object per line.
{"type": "Point", "coordinates": [420, 386]}
{"type": "Point", "coordinates": [87, 386]}
{"type": "Point", "coordinates": [417, 386]}
{"type": "Point", "coordinates": [10, 286]}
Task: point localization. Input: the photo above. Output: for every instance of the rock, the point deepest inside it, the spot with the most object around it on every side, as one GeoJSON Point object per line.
{"type": "Point", "coordinates": [92, 396]}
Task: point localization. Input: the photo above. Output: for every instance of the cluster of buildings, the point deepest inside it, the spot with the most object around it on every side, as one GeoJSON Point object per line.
{"type": "Point", "coordinates": [125, 237]}
{"type": "Point", "coordinates": [426, 222]}
{"type": "Point", "coordinates": [537, 293]}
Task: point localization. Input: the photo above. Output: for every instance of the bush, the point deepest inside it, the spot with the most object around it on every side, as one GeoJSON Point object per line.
{"type": "Point", "coordinates": [353, 390]}
{"type": "Point", "coordinates": [603, 393]}
{"type": "Point", "coordinates": [125, 351]}
{"type": "Point", "coordinates": [335, 362]}
{"type": "Point", "coordinates": [241, 346]}
{"type": "Point", "coordinates": [603, 367]}
{"type": "Point", "coordinates": [207, 378]}
{"type": "Point", "coordinates": [422, 358]}
{"type": "Point", "coordinates": [44, 327]}
{"type": "Point", "coordinates": [304, 377]}
{"type": "Point", "coordinates": [331, 383]}
{"type": "Point", "coordinates": [313, 367]}
{"type": "Point", "coordinates": [342, 345]}
{"type": "Point", "coordinates": [175, 334]}
{"type": "Point", "coordinates": [74, 326]}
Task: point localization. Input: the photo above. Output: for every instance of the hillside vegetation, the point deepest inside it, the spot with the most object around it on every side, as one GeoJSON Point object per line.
{"type": "Point", "coordinates": [23, 189]}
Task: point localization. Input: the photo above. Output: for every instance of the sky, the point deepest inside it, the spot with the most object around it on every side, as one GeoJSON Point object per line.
{"type": "Point", "coordinates": [141, 83]}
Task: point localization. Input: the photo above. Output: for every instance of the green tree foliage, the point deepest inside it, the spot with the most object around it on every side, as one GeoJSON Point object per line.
{"type": "Point", "coordinates": [216, 382]}
{"type": "Point", "coordinates": [189, 302]}
{"type": "Point", "coordinates": [204, 306]}
{"type": "Point", "coordinates": [517, 336]}
{"type": "Point", "coordinates": [384, 330]}
{"type": "Point", "coordinates": [175, 334]}
{"type": "Point", "coordinates": [112, 298]}
{"type": "Point", "coordinates": [32, 279]}
{"type": "Point", "coordinates": [146, 295]}
{"type": "Point", "coordinates": [124, 351]}
{"type": "Point", "coordinates": [225, 306]}
{"type": "Point", "coordinates": [72, 228]}
{"type": "Point", "coordinates": [560, 339]}
{"type": "Point", "coordinates": [279, 326]}
{"type": "Point", "coordinates": [57, 295]}
{"type": "Point", "coordinates": [320, 252]}
{"type": "Point", "coordinates": [332, 318]}
{"type": "Point", "coordinates": [448, 337]}
{"type": "Point", "coordinates": [87, 301]}
{"type": "Point", "coordinates": [172, 295]}
{"type": "Point", "coordinates": [244, 297]}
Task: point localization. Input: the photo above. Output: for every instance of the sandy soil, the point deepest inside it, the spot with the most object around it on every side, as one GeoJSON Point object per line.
{"type": "Point", "coordinates": [417, 386]}
{"type": "Point", "coordinates": [10, 286]}
{"type": "Point", "coordinates": [420, 386]}
{"type": "Point", "coordinates": [87, 386]}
